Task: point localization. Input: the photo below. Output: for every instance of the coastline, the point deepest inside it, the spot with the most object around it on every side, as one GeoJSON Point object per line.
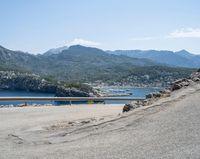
{"type": "Point", "coordinates": [34, 131]}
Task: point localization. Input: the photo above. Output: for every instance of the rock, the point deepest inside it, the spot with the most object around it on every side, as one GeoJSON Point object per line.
{"type": "Point", "coordinates": [176, 87]}
{"type": "Point", "coordinates": [156, 95]}
{"type": "Point", "coordinates": [153, 95]}
{"type": "Point", "coordinates": [22, 105]}
{"type": "Point", "coordinates": [196, 79]}
{"type": "Point", "coordinates": [165, 91]}
{"type": "Point", "coordinates": [179, 84]}
{"type": "Point", "coordinates": [70, 122]}
{"type": "Point", "coordinates": [149, 96]}
{"type": "Point", "coordinates": [85, 121]}
{"type": "Point", "coordinates": [145, 102]}
{"type": "Point", "coordinates": [129, 107]}
{"type": "Point", "coordinates": [185, 83]}
{"type": "Point", "coordinates": [195, 76]}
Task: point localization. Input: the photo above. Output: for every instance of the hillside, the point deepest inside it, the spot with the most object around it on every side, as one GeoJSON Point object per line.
{"type": "Point", "coordinates": [154, 76]}
{"type": "Point", "coordinates": [85, 64]}
{"type": "Point", "coordinates": [77, 63]}
{"type": "Point", "coordinates": [17, 60]}
{"type": "Point", "coordinates": [89, 64]}
{"type": "Point", "coordinates": [181, 58]}
{"type": "Point", "coordinates": [11, 80]}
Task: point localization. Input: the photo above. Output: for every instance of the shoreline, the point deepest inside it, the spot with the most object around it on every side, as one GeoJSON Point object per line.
{"type": "Point", "coordinates": [34, 131]}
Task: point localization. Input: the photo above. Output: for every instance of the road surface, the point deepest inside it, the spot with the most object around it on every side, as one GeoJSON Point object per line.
{"type": "Point", "coordinates": [170, 128]}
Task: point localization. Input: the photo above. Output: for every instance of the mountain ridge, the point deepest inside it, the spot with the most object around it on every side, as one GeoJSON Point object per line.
{"type": "Point", "coordinates": [77, 63]}
{"type": "Point", "coordinates": [180, 58]}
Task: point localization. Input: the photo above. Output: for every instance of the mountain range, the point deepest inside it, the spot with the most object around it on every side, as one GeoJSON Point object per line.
{"type": "Point", "coordinates": [85, 64]}
{"type": "Point", "coordinates": [76, 63]}
{"type": "Point", "coordinates": [181, 58]}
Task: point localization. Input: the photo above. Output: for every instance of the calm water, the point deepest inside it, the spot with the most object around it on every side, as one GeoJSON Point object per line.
{"type": "Point", "coordinates": [23, 94]}
{"type": "Point", "coordinates": [136, 92]}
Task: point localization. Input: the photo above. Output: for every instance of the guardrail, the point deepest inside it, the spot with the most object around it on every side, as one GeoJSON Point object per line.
{"type": "Point", "coordinates": [70, 99]}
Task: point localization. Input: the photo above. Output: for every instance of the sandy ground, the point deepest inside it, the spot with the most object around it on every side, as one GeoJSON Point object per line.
{"type": "Point", "coordinates": [169, 128]}
{"type": "Point", "coordinates": [12, 119]}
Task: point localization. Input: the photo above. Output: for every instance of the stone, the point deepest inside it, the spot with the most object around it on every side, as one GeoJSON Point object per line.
{"type": "Point", "coordinates": [165, 91]}
{"type": "Point", "coordinates": [130, 106]}
{"type": "Point", "coordinates": [185, 83]}
{"type": "Point", "coordinates": [149, 96]}
{"type": "Point", "coordinates": [70, 122]}
{"type": "Point", "coordinates": [156, 95]}
{"type": "Point", "coordinates": [179, 84]}
{"type": "Point", "coordinates": [22, 105]}
{"type": "Point", "coordinates": [127, 107]}
{"type": "Point", "coordinates": [85, 121]}
{"type": "Point", "coordinates": [176, 87]}
{"type": "Point", "coordinates": [196, 79]}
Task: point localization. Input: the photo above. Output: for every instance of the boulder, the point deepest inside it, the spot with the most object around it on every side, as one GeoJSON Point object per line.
{"type": "Point", "coordinates": [128, 107]}
{"type": "Point", "coordinates": [145, 102]}
{"type": "Point", "coordinates": [179, 84]}
{"type": "Point", "coordinates": [185, 83]}
{"type": "Point", "coordinates": [195, 76]}
{"type": "Point", "coordinates": [176, 87]}
{"type": "Point", "coordinates": [196, 79]}
{"type": "Point", "coordinates": [149, 96]}
{"type": "Point", "coordinates": [165, 91]}
{"type": "Point", "coordinates": [157, 95]}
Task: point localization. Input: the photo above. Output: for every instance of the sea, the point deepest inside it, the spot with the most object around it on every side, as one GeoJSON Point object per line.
{"type": "Point", "coordinates": [131, 92]}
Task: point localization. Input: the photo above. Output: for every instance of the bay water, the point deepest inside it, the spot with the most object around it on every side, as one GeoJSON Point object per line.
{"type": "Point", "coordinates": [134, 92]}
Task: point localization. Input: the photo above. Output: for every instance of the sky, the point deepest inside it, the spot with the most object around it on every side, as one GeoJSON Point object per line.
{"type": "Point", "coordinates": [36, 26]}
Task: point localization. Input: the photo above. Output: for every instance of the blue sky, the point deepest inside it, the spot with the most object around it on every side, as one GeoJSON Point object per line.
{"type": "Point", "coordinates": [37, 25]}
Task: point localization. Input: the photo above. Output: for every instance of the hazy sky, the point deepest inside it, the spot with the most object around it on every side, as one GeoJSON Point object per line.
{"type": "Point", "coordinates": [38, 25]}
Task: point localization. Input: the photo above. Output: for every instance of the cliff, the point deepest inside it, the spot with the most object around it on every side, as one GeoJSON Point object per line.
{"type": "Point", "coordinates": [10, 80]}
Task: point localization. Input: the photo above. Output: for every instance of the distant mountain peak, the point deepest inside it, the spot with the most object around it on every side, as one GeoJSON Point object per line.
{"type": "Point", "coordinates": [184, 53]}
{"type": "Point", "coordinates": [3, 48]}
{"type": "Point", "coordinates": [56, 50]}
{"type": "Point", "coordinates": [76, 46]}
{"type": "Point", "coordinates": [81, 47]}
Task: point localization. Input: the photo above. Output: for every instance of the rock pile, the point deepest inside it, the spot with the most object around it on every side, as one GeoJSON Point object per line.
{"type": "Point", "coordinates": [176, 85]}
{"type": "Point", "coordinates": [162, 93]}
{"type": "Point", "coordinates": [195, 76]}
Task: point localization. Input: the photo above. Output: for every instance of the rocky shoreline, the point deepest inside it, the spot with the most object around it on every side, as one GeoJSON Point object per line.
{"type": "Point", "coordinates": [10, 80]}
{"type": "Point", "coordinates": [152, 97]}
{"type": "Point", "coordinates": [31, 82]}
